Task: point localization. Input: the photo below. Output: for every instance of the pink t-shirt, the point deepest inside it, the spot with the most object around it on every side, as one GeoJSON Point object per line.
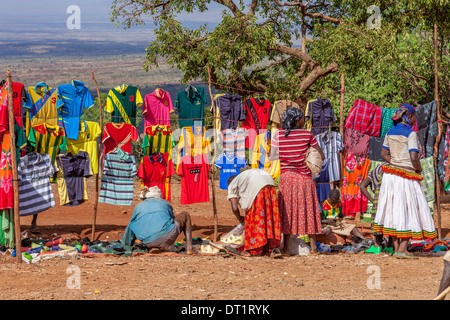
{"type": "Point", "coordinates": [157, 108]}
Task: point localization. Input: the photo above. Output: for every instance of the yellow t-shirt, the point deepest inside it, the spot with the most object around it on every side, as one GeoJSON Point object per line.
{"type": "Point", "coordinates": [87, 141]}
{"type": "Point", "coordinates": [42, 106]}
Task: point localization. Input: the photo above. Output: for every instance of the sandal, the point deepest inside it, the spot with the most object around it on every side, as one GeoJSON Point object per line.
{"type": "Point", "coordinates": [401, 255]}
{"type": "Point", "coordinates": [313, 253]}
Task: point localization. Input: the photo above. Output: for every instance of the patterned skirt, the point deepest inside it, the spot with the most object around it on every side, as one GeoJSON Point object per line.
{"type": "Point", "coordinates": [403, 210]}
{"type": "Point", "coordinates": [262, 222]}
{"type": "Point", "coordinates": [299, 206]}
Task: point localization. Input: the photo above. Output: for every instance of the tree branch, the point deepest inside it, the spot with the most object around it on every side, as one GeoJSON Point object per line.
{"type": "Point", "coordinates": [315, 74]}
{"type": "Point", "coordinates": [257, 70]}
{"type": "Point", "coordinates": [253, 7]}
{"type": "Point", "coordinates": [295, 53]}
{"type": "Point", "coordinates": [230, 5]}
{"type": "Point", "coordinates": [304, 9]}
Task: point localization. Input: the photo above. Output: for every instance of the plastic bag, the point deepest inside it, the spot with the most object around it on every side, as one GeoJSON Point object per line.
{"type": "Point", "coordinates": [298, 246]}
{"type": "Point", "coordinates": [235, 236]}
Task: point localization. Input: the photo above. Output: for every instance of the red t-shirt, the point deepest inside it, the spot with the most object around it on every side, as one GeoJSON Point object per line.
{"type": "Point", "coordinates": [19, 96]}
{"type": "Point", "coordinates": [194, 179]}
{"type": "Point", "coordinates": [119, 135]}
{"type": "Point", "coordinates": [257, 116]}
{"type": "Point", "coordinates": [292, 149]}
{"type": "Point", "coordinates": [155, 170]}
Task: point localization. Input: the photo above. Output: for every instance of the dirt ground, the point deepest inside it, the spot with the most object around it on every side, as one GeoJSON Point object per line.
{"type": "Point", "coordinates": [342, 276]}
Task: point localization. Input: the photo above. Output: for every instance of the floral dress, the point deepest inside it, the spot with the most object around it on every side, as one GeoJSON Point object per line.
{"type": "Point", "coordinates": [355, 171]}
{"type": "Point", "coordinates": [6, 177]}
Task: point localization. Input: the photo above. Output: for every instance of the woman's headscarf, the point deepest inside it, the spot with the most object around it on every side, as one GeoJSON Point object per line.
{"type": "Point", "coordinates": [290, 118]}
{"type": "Point", "coordinates": [402, 113]}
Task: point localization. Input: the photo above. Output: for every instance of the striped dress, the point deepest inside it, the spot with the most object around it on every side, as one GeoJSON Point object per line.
{"type": "Point", "coordinates": [117, 180]}
{"type": "Point", "coordinates": [35, 191]}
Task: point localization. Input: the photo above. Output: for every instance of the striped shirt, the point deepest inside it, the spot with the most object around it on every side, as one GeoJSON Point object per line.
{"type": "Point", "coordinates": [234, 142]}
{"type": "Point", "coordinates": [48, 139]}
{"type": "Point", "coordinates": [292, 149]}
{"type": "Point", "coordinates": [331, 144]}
{"type": "Point", "coordinates": [117, 180]}
{"type": "Point", "coordinates": [35, 191]}
{"type": "Point", "coordinates": [158, 138]}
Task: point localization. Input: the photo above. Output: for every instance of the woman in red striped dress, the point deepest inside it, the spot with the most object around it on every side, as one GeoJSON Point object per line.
{"type": "Point", "coordinates": [298, 203]}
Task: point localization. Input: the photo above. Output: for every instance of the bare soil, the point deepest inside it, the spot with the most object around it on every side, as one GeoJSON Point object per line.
{"type": "Point", "coordinates": [169, 276]}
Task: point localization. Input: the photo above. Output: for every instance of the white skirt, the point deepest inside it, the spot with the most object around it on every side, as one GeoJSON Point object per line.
{"type": "Point", "coordinates": [402, 210]}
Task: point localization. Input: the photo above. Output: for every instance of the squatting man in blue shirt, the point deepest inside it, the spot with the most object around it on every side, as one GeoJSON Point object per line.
{"type": "Point", "coordinates": [155, 225]}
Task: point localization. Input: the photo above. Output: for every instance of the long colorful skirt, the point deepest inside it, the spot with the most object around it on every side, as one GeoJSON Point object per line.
{"type": "Point", "coordinates": [262, 222]}
{"type": "Point", "coordinates": [402, 209]}
{"type": "Point", "coordinates": [299, 206]}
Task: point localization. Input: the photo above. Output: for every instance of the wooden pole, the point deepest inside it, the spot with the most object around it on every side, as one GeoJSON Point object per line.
{"type": "Point", "coordinates": [341, 120]}
{"type": "Point", "coordinates": [216, 222]}
{"type": "Point", "coordinates": [99, 174]}
{"type": "Point", "coordinates": [438, 139]}
{"type": "Point", "coordinates": [443, 294]}
{"type": "Point", "coordinates": [341, 126]}
{"type": "Point", "coordinates": [12, 136]}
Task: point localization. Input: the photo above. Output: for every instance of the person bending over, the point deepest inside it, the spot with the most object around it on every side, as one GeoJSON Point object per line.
{"type": "Point", "coordinates": [155, 225]}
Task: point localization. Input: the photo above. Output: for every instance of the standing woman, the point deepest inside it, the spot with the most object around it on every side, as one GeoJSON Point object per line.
{"type": "Point", "coordinates": [299, 206]}
{"type": "Point", "coordinates": [402, 210]}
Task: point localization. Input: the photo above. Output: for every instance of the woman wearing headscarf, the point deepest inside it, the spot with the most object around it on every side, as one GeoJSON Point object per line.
{"type": "Point", "coordinates": [298, 203]}
{"type": "Point", "coordinates": [402, 210]}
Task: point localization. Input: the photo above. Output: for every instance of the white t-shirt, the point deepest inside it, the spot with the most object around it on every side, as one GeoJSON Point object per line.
{"type": "Point", "coordinates": [246, 186]}
{"type": "Point", "coordinates": [400, 141]}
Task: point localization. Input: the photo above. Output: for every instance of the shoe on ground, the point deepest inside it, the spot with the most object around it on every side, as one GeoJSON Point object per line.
{"type": "Point", "coordinates": [373, 249]}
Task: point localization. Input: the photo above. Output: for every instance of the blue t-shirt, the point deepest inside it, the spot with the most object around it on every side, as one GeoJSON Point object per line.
{"type": "Point", "coordinates": [75, 97]}
{"type": "Point", "coordinates": [151, 219]}
{"type": "Point", "coordinates": [229, 166]}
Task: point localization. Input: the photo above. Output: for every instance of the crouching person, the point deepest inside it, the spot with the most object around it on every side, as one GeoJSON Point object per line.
{"type": "Point", "coordinates": [155, 225]}
{"type": "Point", "coordinates": [254, 191]}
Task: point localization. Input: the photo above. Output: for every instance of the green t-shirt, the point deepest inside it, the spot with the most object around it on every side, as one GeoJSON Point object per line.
{"type": "Point", "coordinates": [190, 104]}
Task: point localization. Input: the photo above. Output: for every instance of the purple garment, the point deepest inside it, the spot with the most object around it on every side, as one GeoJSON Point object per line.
{"type": "Point", "coordinates": [356, 143]}
{"type": "Point", "coordinates": [321, 114]}
{"type": "Point", "coordinates": [231, 110]}
{"type": "Point", "coordinates": [75, 168]}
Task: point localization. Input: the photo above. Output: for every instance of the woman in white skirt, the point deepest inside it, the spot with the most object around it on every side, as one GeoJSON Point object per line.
{"type": "Point", "coordinates": [403, 212]}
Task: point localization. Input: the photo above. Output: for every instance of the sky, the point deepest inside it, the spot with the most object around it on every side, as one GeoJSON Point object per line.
{"type": "Point", "coordinates": [44, 18]}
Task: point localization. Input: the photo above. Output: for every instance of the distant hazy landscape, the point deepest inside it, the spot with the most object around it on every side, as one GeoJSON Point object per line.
{"type": "Point", "coordinates": [36, 45]}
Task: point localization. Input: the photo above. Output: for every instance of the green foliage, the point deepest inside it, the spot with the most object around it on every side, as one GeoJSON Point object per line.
{"type": "Point", "coordinates": [255, 49]}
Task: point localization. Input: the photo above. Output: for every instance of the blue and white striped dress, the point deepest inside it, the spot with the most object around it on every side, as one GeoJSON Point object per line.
{"type": "Point", "coordinates": [35, 191]}
{"type": "Point", "coordinates": [117, 184]}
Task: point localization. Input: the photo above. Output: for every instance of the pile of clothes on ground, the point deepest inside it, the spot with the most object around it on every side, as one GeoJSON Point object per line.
{"type": "Point", "coordinates": [35, 250]}
{"type": "Point", "coordinates": [437, 247]}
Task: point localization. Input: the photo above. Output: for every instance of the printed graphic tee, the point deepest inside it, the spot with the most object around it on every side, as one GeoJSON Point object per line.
{"type": "Point", "coordinates": [194, 179]}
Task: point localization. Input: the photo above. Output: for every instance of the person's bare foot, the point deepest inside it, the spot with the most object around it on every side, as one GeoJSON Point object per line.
{"type": "Point", "coordinates": [245, 253]}
{"type": "Point", "coordinates": [34, 229]}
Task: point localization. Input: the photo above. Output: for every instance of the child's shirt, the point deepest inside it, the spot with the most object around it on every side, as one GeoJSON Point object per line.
{"type": "Point", "coordinates": [331, 212]}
